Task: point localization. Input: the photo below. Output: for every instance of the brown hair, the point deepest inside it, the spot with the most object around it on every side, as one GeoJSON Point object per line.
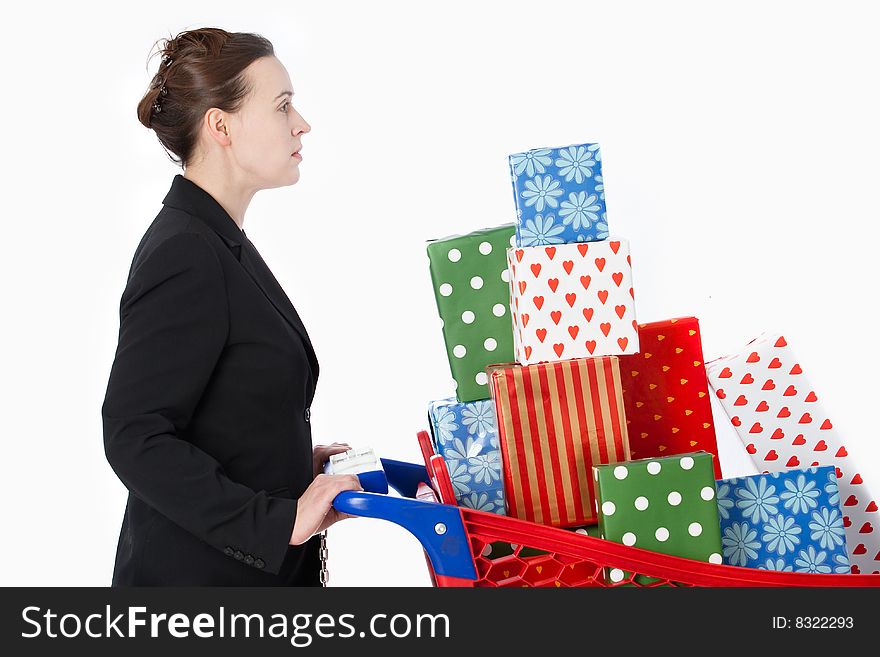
{"type": "Point", "coordinates": [200, 69]}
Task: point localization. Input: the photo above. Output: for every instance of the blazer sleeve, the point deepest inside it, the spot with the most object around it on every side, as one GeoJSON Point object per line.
{"type": "Point", "coordinates": [174, 322]}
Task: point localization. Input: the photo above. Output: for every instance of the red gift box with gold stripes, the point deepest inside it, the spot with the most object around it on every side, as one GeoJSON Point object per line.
{"type": "Point", "coordinates": [555, 421]}
{"type": "Point", "coordinates": [666, 392]}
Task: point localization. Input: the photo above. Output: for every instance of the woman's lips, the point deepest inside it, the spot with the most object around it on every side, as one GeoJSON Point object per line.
{"type": "Point", "coordinates": [296, 155]}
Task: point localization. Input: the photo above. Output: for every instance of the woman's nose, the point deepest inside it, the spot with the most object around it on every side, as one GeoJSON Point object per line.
{"type": "Point", "coordinates": [301, 124]}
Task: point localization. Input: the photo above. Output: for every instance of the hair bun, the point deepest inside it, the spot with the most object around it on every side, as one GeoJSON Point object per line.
{"type": "Point", "coordinates": [206, 74]}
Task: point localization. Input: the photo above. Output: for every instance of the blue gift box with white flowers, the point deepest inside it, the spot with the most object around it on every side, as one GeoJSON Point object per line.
{"type": "Point", "coordinates": [559, 195]}
{"type": "Point", "coordinates": [789, 521]}
{"type": "Point", "coordinates": [464, 434]}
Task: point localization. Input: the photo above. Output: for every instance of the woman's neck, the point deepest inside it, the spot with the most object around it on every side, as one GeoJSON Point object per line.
{"type": "Point", "coordinates": [232, 197]}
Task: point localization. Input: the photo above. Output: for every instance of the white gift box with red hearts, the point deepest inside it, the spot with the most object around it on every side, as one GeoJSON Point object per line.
{"type": "Point", "coordinates": [572, 301]}
{"type": "Point", "coordinates": [778, 416]}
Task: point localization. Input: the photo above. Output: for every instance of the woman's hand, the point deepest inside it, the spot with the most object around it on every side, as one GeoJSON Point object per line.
{"type": "Point", "coordinates": [314, 509]}
{"type": "Point", "coordinates": [321, 453]}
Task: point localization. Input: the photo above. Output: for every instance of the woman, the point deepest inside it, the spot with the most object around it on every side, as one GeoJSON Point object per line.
{"type": "Point", "coordinates": [206, 415]}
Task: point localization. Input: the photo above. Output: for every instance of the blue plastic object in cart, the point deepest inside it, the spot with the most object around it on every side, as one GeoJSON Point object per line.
{"type": "Point", "coordinates": [373, 481]}
{"type": "Point", "coordinates": [438, 527]}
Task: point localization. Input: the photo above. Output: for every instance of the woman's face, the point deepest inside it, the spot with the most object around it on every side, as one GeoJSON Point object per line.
{"type": "Point", "coordinates": [267, 130]}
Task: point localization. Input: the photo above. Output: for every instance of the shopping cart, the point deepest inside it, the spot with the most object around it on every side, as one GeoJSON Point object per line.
{"type": "Point", "coordinates": [461, 544]}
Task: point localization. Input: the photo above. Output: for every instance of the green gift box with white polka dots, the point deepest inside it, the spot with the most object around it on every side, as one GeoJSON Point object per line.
{"type": "Point", "coordinates": [665, 504]}
{"type": "Point", "coordinates": [471, 284]}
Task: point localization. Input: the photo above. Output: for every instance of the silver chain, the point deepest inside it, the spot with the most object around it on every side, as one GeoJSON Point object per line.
{"type": "Point", "coordinates": [325, 576]}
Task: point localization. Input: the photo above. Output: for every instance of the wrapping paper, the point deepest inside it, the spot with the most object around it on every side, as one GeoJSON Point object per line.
{"type": "Point", "coordinates": [555, 421]}
{"type": "Point", "coordinates": [664, 505]}
{"type": "Point", "coordinates": [464, 435]}
{"type": "Point", "coordinates": [559, 195]}
{"type": "Point", "coordinates": [470, 278]}
{"type": "Point", "coordinates": [778, 416]}
{"type": "Point", "coordinates": [788, 521]}
{"type": "Point", "coordinates": [666, 394]}
{"type": "Point", "coordinates": [572, 301]}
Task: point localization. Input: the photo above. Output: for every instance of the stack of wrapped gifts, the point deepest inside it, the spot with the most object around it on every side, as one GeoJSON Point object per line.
{"type": "Point", "coordinates": [570, 413]}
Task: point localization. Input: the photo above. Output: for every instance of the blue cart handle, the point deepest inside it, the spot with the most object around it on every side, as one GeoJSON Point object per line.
{"type": "Point", "coordinates": [438, 527]}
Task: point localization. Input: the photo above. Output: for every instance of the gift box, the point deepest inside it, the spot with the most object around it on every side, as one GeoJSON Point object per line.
{"type": "Point", "coordinates": [464, 434]}
{"type": "Point", "coordinates": [789, 521]}
{"type": "Point", "coordinates": [666, 394]}
{"type": "Point", "coordinates": [572, 301]}
{"type": "Point", "coordinates": [559, 195]}
{"type": "Point", "coordinates": [664, 504]}
{"type": "Point", "coordinates": [470, 278]}
{"type": "Point", "coordinates": [555, 421]}
{"type": "Point", "coordinates": [777, 414]}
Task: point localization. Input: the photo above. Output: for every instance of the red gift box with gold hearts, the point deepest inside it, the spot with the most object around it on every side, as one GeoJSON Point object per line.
{"type": "Point", "coordinates": [778, 416]}
{"type": "Point", "coordinates": [572, 301]}
{"type": "Point", "coordinates": [666, 393]}
{"type": "Point", "coordinates": [555, 421]}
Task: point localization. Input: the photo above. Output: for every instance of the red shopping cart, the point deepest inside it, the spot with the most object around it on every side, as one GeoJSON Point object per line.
{"type": "Point", "coordinates": [462, 545]}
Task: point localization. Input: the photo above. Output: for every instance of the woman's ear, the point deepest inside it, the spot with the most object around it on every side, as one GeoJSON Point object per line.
{"type": "Point", "coordinates": [215, 123]}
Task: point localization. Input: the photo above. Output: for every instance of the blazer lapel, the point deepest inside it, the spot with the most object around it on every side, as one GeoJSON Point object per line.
{"type": "Point", "coordinates": [254, 264]}
{"type": "Point", "coordinates": [189, 197]}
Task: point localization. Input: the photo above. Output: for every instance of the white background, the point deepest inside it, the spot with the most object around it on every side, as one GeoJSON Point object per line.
{"type": "Point", "coordinates": [740, 159]}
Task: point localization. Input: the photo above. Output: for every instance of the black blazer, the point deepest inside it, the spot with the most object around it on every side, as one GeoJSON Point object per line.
{"type": "Point", "coordinates": [206, 414]}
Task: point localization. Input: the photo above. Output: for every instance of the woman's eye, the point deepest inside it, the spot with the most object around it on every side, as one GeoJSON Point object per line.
{"type": "Point", "coordinates": [284, 106]}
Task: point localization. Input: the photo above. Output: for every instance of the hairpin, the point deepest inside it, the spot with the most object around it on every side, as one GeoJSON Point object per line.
{"type": "Point", "coordinates": [162, 92]}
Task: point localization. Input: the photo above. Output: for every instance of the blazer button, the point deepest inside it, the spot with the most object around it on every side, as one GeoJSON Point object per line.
{"type": "Point", "coordinates": [249, 559]}
{"type": "Point", "coordinates": [228, 551]}
{"type": "Point", "coordinates": [259, 563]}
{"type": "Point", "coordinates": [307, 414]}
{"type": "Point", "coordinates": [239, 555]}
